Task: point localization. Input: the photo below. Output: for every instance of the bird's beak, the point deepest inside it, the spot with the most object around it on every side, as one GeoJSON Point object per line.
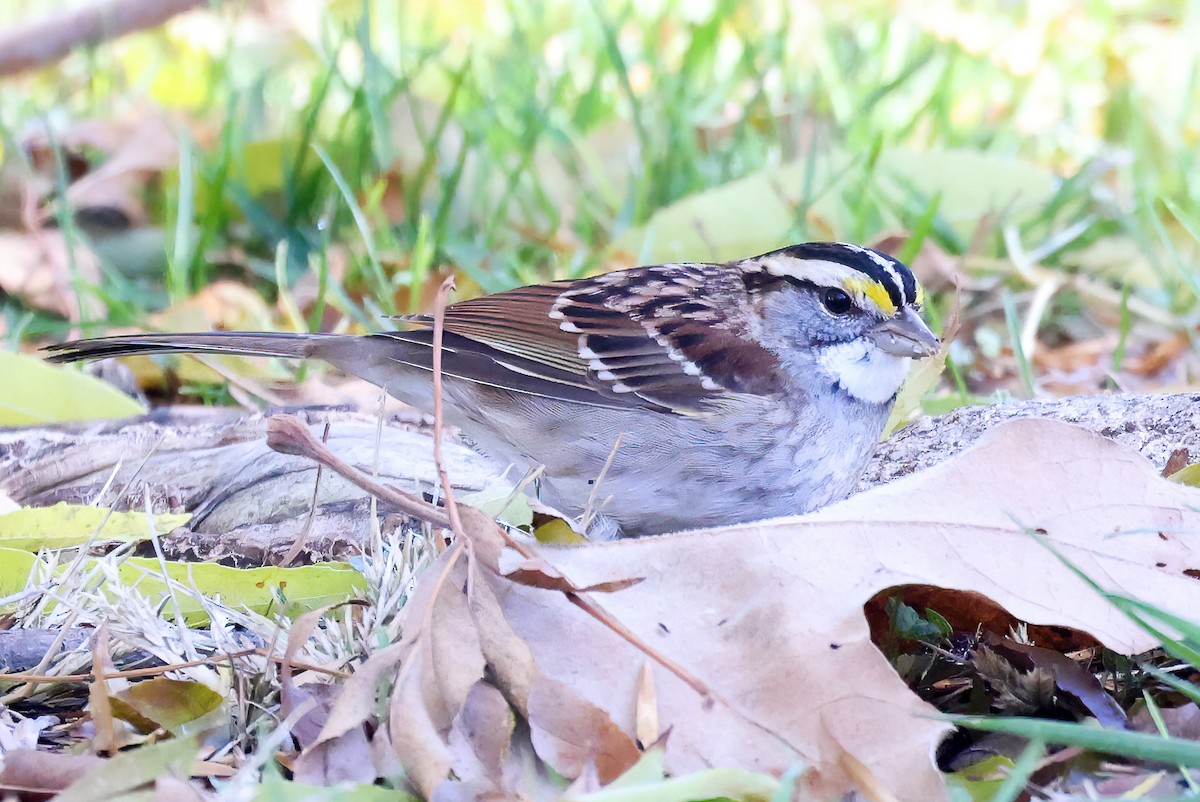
{"type": "Point", "coordinates": [906, 334]}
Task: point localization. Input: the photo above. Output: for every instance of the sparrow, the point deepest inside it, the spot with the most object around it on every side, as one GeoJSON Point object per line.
{"type": "Point", "coordinates": [656, 398]}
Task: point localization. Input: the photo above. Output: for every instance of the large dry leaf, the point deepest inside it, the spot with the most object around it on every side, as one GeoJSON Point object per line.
{"type": "Point", "coordinates": [458, 677]}
{"type": "Point", "coordinates": [771, 617]}
{"type": "Point", "coordinates": [38, 266]}
{"type": "Point", "coordinates": [137, 149]}
{"type": "Point", "coordinates": [768, 619]}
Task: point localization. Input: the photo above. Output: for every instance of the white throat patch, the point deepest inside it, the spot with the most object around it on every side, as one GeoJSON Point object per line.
{"type": "Point", "coordinates": [865, 371]}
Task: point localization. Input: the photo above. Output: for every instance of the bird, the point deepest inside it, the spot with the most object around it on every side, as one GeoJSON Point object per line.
{"type": "Point", "coordinates": [653, 399]}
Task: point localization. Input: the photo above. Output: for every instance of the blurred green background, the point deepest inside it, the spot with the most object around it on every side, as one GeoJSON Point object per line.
{"type": "Point", "coordinates": [320, 164]}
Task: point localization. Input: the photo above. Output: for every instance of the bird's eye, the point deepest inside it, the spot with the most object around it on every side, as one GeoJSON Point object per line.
{"type": "Point", "coordinates": [837, 301]}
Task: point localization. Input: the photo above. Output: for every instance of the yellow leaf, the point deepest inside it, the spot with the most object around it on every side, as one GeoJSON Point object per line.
{"type": "Point", "coordinates": [267, 590]}
{"type": "Point", "coordinates": [64, 525]}
{"type": "Point", "coordinates": [558, 532]}
{"type": "Point", "coordinates": [290, 591]}
{"type": "Point", "coordinates": [34, 392]}
{"type": "Point", "coordinates": [1187, 475]}
{"type": "Point", "coordinates": [180, 707]}
{"type": "Point", "coordinates": [983, 779]}
{"type": "Point", "coordinates": [755, 213]}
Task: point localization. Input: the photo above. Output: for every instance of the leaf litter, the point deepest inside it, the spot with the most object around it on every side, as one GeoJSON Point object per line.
{"type": "Point", "coordinates": [768, 622]}
{"type": "Point", "coordinates": [749, 648]}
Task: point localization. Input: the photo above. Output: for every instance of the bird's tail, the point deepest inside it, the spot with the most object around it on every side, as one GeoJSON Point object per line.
{"type": "Point", "coordinates": [233, 343]}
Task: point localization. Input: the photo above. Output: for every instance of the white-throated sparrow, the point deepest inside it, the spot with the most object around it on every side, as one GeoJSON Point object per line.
{"type": "Point", "coordinates": [740, 391]}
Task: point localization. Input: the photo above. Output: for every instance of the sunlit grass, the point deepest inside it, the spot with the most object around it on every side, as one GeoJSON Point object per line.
{"type": "Point", "coordinates": [516, 142]}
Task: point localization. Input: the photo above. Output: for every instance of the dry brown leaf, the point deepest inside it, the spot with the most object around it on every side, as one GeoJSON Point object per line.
{"type": "Point", "coordinates": [443, 664]}
{"type": "Point", "coordinates": [936, 269]}
{"type": "Point", "coordinates": [572, 734]}
{"type": "Point", "coordinates": [537, 573]}
{"type": "Point", "coordinates": [355, 707]}
{"type": "Point", "coordinates": [138, 148]}
{"type": "Point", "coordinates": [345, 759]}
{"type": "Point", "coordinates": [39, 774]}
{"type": "Point", "coordinates": [646, 719]}
{"type": "Point", "coordinates": [449, 728]}
{"type": "Point", "coordinates": [770, 615]}
{"type": "Point", "coordinates": [36, 267]}
{"type": "Point", "coordinates": [1176, 462]}
{"type": "Point", "coordinates": [479, 742]}
{"type": "Point", "coordinates": [1180, 722]}
{"type": "Point", "coordinates": [1070, 678]}
{"type": "Point", "coordinates": [99, 704]}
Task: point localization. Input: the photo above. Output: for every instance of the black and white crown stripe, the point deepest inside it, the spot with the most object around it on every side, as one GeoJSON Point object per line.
{"type": "Point", "coordinates": [892, 274]}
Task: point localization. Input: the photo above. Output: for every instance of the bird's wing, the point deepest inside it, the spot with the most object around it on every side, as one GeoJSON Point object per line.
{"type": "Point", "coordinates": [652, 337]}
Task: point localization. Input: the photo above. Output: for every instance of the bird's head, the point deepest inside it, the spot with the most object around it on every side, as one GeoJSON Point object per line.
{"type": "Point", "coordinates": [840, 315]}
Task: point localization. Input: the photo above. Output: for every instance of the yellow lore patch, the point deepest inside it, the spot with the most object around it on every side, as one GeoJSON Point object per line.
{"type": "Point", "coordinates": [872, 291]}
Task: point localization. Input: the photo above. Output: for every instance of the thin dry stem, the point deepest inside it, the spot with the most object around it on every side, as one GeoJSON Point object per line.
{"type": "Point", "coordinates": [302, 538]}
{"type": "Point", "coordinates": [439, 329]}
{"type": "Point", "coordinates": [287, 434]}
{"type": "Point", "coordinates": [154, 671]}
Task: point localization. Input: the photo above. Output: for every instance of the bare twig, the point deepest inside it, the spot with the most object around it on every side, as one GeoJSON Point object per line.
{"type": "Point", "coordinates": [105, 740]}
{"type": "Point", "coordinates": [287, 434]}
{"type": "Point", "coordinates": [39, 42]}
{"type": "Point", "coordinates": [302, 538]}
{"type": "Point", "coordinates": [154, 671]}
{"type": "Point", "coordinates": [439, 329]}
{"type": "Point", "coordinates": [590, 512]}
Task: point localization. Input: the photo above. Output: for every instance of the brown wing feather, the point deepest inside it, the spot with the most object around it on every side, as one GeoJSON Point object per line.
{"type": "Point", "coordinates": [667, 334]}
{"type": "Point", "coordinates": [657, 335]}
{"type": "Point", "coordinates": [517, 322]}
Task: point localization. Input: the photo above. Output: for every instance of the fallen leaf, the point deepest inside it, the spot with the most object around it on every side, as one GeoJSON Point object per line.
{"type": "Point", "coordinates": [770, 615]}
{"type": "Point", "coordinates": [537, 573]}
{"type": "Point", "coordinates": [479, 743]}
{"type": "Point", "coordinates": [137, 148]}
{"type": "Point", "coordinates": [308, 707]}
{"type": "Point", "coordinates": [445, 721]}
{"type": "Point", "coordinates": [751, 214]}
{"type": "Point", "coordinates": [266, 591]}
{"type": "Point", "coordinates": [99, 706]}
{"type": "Point", "coordinates": [180, 707]}
{"type": "Point", "coordinates": [444, 662]}
{"type": "Point", "coordinates": [35, 392]}
{"type": "Point", "coordinates": [578, 734]}
{"type": "Point", "coordinates": [354, 707]}
{"type": "Point", "coordinates": [1176, 462]}
{"type": "Point", "coordinates": [36, 267]}
{"type": "Point", "coordinates": [646, 721]}
{"type": "Point", "coordinates": [132, 769]}
{"type": "Point", "coordinates": [63, 525]}
{"type": "Point", "coordinates": [1180, 722]}
{"type": "Point", "coordinates": [1069, 677]}
{"type": "Point", "coordinates": [29, 772]}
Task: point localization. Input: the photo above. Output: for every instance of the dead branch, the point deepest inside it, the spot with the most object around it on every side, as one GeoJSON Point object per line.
{"type": "Point", "coordinates": [39, 42]}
